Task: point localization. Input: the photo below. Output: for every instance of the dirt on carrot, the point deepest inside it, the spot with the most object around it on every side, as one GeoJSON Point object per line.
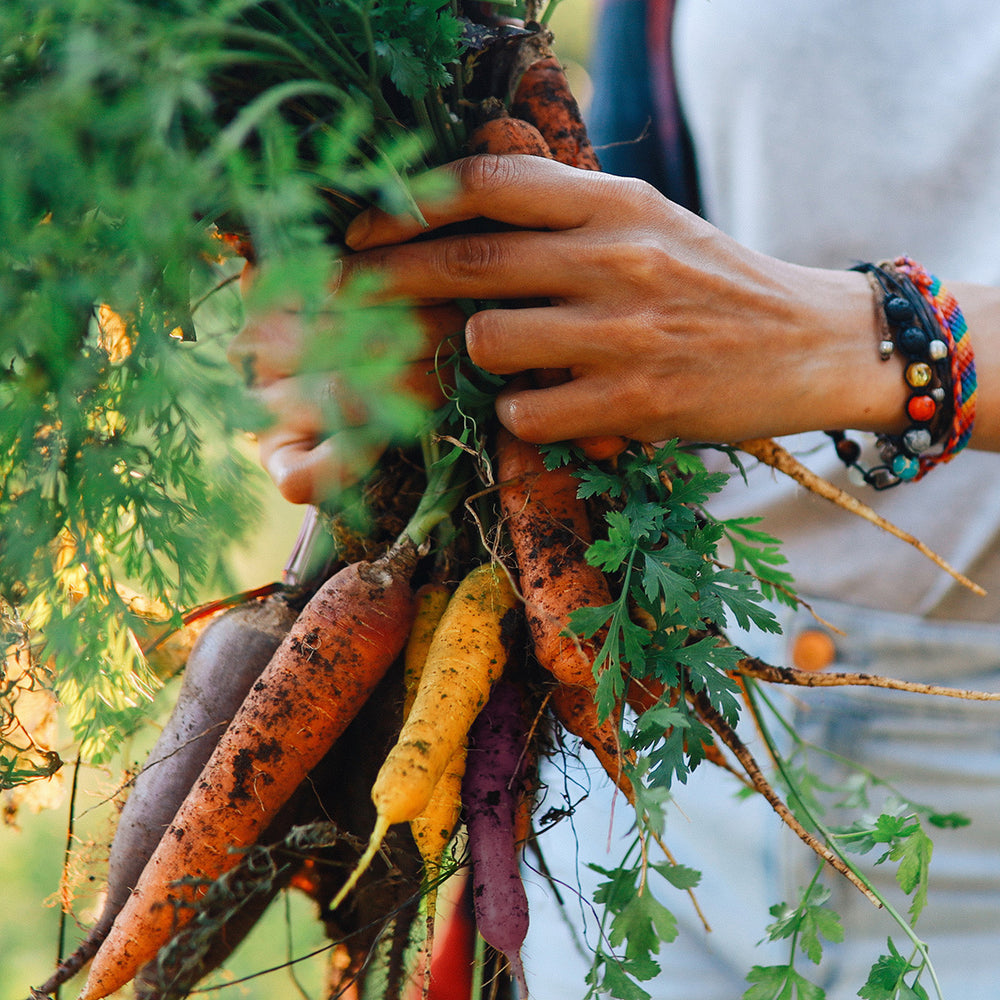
{"type": "Point", "coordinates": [226, 659]}
{"type": "Point", "coordinates": [467, 654]}
{"type": "Point", "coordinates": [339, 648]}
{"type": "Point", "coordinates": [544, 98]}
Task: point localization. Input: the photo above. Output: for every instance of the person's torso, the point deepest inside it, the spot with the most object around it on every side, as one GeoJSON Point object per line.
{"type": "Point", "coordinates": [845, 131]}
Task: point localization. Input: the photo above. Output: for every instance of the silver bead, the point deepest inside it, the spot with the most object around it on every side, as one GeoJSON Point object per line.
{"type": "Point", "coordinates": [937, 394]}
{"type": "Point", "coordinates": [916, 440]}
{"type": "Point", "coordinates": [885, 349]}
{"type": "Point", "coordinates": [937, 350]}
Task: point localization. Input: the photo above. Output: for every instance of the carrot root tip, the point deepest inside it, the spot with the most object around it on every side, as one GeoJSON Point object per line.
{"type": "Point", "coordinates": [374, 843]}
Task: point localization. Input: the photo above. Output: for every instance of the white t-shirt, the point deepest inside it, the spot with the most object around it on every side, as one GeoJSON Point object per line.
{"type": "Point", "coordinates": [828, 133]}
{"type": "Point", "coordinates": [856, 130]}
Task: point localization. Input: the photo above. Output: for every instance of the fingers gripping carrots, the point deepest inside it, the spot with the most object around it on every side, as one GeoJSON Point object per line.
{"type": "Point", "coordinates": [326, 667]}
{"type": "Point", "coordinates": [550, 127]}
{"type": "Point", "coordinates": [350, 634]}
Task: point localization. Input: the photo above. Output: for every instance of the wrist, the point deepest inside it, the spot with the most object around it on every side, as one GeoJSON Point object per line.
{"type": "Point", "coordinates": [922, 322]}
{"type": "Point", "coordinates": [845, 381]}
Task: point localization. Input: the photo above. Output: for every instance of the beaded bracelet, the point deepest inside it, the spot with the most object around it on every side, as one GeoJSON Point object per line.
{"type": "Point", "coordinates": [922, 321]}
{"type": "Point", "coordinates": [963, 365]}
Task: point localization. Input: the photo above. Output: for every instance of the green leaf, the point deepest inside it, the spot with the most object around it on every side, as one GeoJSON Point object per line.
{"type": "Point", "coordinates": [807, 922]}
{"type": "Point", "coordinates": [780, 982]}
{"type": "Point", "coordinates": [560, 453]}
{"type": "Point", "coordinates": [611, 553]}
{"type": "Point", "coordinates": [735, 591]}
{"type": "Point", "coordinates": [661, 580]}
{"type": "Point", "coordinates": [679, 876]}
{"type": "Point", "coordinates": [643, 923]}
{"type": "Point", "coordinates": [887, 979]}
{"type": "Point", "coordinates": [908, 844]}
{"type": "Point", "coordinates": [914, 857]}
{"type": "Point", "coordinates": [616, 982]}
{"type": "Point", "coordinates": [948, 821]}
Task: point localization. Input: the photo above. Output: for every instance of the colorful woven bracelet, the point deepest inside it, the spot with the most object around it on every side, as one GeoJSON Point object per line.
{"type": "Point", "coordinates": [963, 365]}
{"type": "Point", "coordinates": [920, 320]}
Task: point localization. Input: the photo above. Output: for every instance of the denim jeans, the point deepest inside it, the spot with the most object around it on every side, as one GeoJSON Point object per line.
{"type": "Point", "coordinates": [936, 751]}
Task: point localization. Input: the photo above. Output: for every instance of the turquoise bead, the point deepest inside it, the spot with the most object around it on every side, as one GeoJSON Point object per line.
{"type": "Point", "coordinates": [905, 467]}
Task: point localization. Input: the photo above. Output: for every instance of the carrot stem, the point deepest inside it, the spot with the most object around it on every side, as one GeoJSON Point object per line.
{"type": "Point", "coordinates": [771, 453]}
{"type": "Point", "coordinates": [810, 678]}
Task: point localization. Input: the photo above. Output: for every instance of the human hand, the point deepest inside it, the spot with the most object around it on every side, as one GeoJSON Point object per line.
{"type": "Point", "coordinates": [666, 326]}
{"type": "Point", "coordinates": [307, 460]}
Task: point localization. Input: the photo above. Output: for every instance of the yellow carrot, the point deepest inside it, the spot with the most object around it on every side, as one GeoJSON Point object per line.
{"type": "Point", "coordinates": [433, 828]}
{"type": "Point", "coordinates": [467, 654]}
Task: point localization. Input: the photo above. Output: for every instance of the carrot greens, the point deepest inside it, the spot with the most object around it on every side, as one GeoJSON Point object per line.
{"type": "Point", "coordinates": [149, 151]}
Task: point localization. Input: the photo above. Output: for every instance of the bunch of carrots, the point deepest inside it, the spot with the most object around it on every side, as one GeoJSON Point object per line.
{"type": "Point", "coordinates": [454, 670]}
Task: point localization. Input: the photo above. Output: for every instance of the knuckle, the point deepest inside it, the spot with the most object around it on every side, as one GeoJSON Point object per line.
{"type": "Point", "coordinates": [638, 193]}
{"type": "Point", "coordinates": [470, 256]}
{"type": "Point", "coordinates": [640, 261]}
{"type": "Point", "coordinates": [486, 172]}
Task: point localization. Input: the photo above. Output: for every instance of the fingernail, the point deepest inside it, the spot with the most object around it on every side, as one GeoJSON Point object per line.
{"type": "Point", "coordinates": [358, 230]}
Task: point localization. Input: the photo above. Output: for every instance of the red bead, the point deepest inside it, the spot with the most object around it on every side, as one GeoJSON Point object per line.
{"type": "Point", "coordinates": [921, 408]}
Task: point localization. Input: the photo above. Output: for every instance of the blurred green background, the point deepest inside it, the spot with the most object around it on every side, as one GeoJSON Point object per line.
{"type": "Point", "coordinates": [31, 852]}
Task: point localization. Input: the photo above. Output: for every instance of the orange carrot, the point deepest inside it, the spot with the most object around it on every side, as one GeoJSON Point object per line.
{"type": "Point", "coordinates": [225, 660]}
{"type": "Point", "coordinates": [467, 654]}
{"type": "Point", "coordinates": [505, 135]}
{"type": "Point", "coordinates": [527, 798]}
{"type": "Point", "coordinates": [342, 643]}
{"type": "Point", "coordinates": [550, 531]}
{"type": "Point", "coordinates": [544, 99]}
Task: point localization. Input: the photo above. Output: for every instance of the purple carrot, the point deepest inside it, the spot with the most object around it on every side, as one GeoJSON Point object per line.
{"type": "Point", "coordinates": [493, 775]}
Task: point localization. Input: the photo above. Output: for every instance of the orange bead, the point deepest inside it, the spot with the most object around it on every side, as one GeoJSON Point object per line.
{"type": "Point", "coordinates": [813, 650]}
{"type": "Point", "coordinates": [921, 408]}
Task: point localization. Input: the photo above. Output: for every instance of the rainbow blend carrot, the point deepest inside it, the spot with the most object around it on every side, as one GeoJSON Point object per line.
{"type": "Point", "coordinates": [433, 828]}
{"type": "Point", "coordinates": [543, 98]}
{"type": "Point", "coordinates": [490, 793]}
{"type": "Point", "coordinates": [502, 134]}
{"type": "Point", "coordinates": [550, 530]}
{"type": "Point", "coordinates": [226, 659]}
{"type": "Point", "coordinates": [467, 654]}
{"type": "Point", "coordinates": [339, 648]}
